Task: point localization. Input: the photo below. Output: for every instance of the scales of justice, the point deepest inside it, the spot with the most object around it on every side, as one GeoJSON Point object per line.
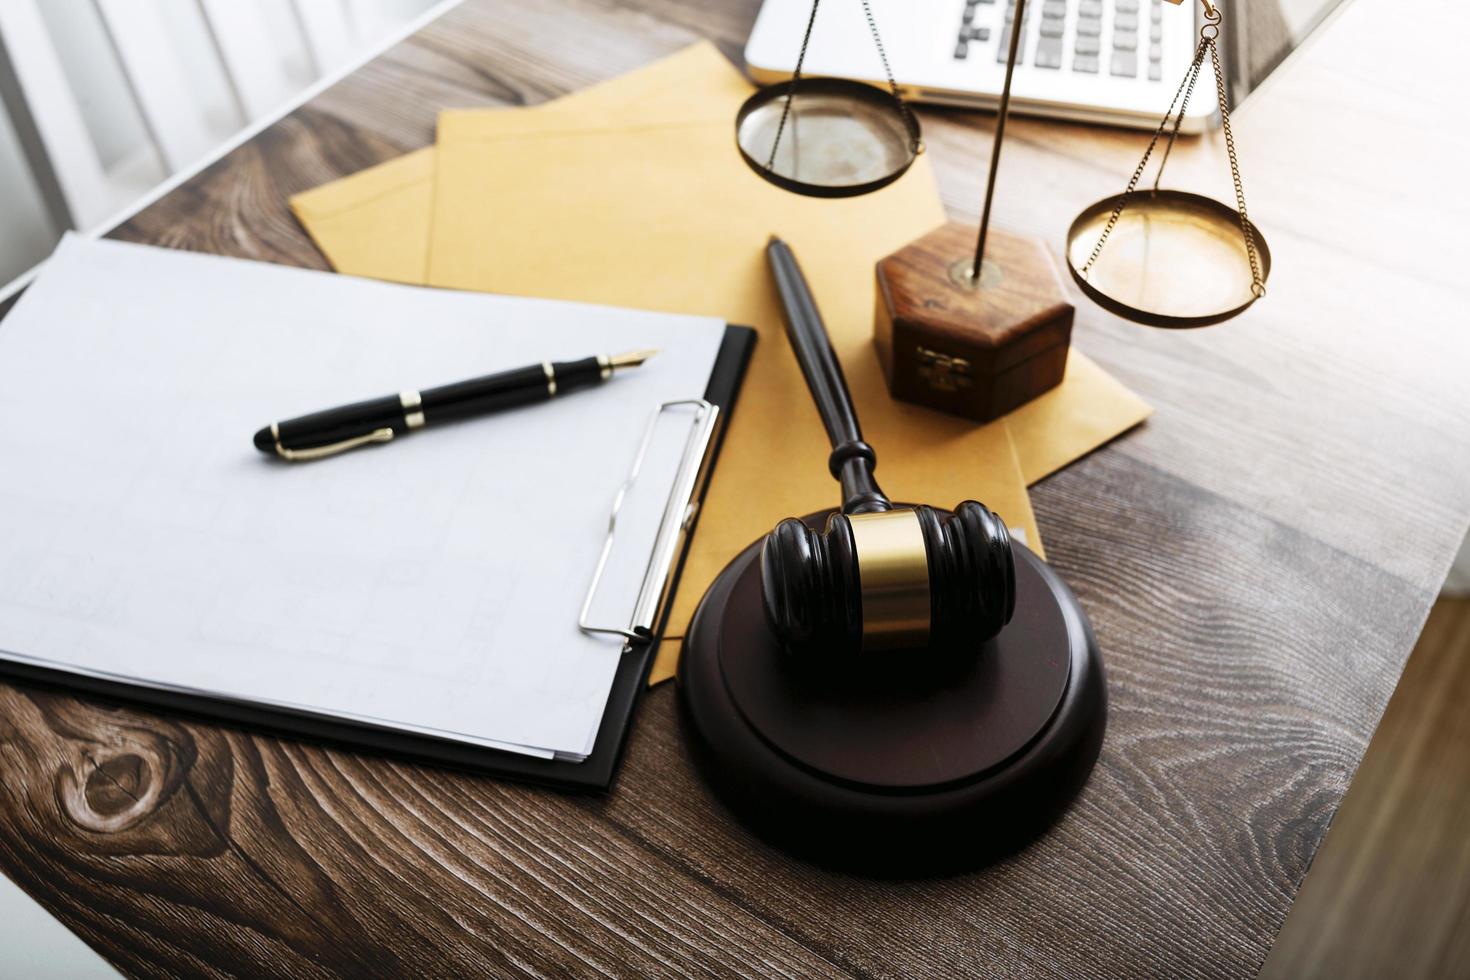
{"type": "Point", "coordinates": [898, 688]}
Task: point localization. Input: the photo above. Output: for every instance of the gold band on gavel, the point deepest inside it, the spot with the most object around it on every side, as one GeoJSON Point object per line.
{"type": "Point", "coordinates": [893, 578]}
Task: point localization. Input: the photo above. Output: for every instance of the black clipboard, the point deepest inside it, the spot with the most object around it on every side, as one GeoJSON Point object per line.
{"type": "Point", "coordinates": [594, 773]}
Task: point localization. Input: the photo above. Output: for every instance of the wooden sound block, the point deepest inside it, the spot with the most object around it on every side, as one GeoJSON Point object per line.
{"type": "Point", "coordinates": [895, 765]}
{"type": "Point", "coordinates": [977, 350]}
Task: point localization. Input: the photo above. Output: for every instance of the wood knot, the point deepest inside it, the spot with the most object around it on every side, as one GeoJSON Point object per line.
{"type": "Point", "coordinates": [112, 788]}
{"type": "Point", "coordinates": [117, 784]}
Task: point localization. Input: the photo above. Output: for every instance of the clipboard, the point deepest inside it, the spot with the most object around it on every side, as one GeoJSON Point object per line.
{"type": "Point", "coordinates": [646, 623]}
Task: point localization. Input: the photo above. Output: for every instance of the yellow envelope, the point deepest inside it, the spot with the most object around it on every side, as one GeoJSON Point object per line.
{"type": "Point", "coordinates": [375, 223]}
{"type": "Point", "coordinates": [1090, 407]}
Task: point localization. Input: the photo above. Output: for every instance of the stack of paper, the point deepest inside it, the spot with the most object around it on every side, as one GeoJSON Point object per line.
{"type": "Point", "coordinates": [632, 193]}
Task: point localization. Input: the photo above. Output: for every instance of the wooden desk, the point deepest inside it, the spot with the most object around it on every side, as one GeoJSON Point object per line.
{"type": "Point", "coordinates": [1257, 560]}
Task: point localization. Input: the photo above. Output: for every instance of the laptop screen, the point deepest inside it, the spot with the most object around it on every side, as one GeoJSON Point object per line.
{"type": "Point", "coordinates": [1261, 33]}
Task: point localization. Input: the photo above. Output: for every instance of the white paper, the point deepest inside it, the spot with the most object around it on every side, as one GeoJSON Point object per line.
{"type": "Point", "coordinates": [431, 584]}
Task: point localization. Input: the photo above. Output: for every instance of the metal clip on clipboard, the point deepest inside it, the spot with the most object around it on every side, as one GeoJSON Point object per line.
{"type": "Point", "coordinates": [673, 527]}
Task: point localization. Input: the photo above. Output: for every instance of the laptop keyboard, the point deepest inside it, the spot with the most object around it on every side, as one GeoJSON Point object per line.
{"type": "Point", "coordinates": [1132, 46]}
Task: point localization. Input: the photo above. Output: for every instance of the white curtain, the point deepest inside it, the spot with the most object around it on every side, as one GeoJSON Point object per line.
{"type": "Point", "coordinates": [101, 100]}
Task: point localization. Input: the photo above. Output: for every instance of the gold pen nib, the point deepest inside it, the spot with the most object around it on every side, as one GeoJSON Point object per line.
{"type": "Point", "coordinates": [629, 360]}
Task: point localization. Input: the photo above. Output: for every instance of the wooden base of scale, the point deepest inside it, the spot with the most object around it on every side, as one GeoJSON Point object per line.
{"type": "Point", "coordinates": [976, 349]}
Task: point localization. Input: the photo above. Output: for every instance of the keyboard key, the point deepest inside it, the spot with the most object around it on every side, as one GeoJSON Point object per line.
{"type": "Point", "coordinates": [1051, 28]}
{"type": "Point", "coordinates": [1054, 8]}
{"type": "Point", "coordinates": [1124, 63]}
{"type": "Point", "coordinates": [1049, 52]}
{"type": "Point", "coordinates": [1156, 32]}
{"type": "Point", "coordinates": [1156, 14]}
{"type": "Point", "coordinates": [1125, 42]}
{"type": "Point", "coordinates": [1090, 8]}
{"type": "Point", "coordinates": [1155, 72]}
{"type": "Point", "coordinates": [968, 31]}
{"type": "Point", "coordinates": [1155, 52]}
{"type": "Point", "coordinates": [1126, 6]}
{"type": "Point", "coordinates": [1088, 27]}
{"type": "Point", "coordinates": [1003, 49]}
{"type": "Point", "coordinates": [1087, 45]}
{"type": "Point", "coordinates": [1125, 22]}
{"type": "Point", "coordinates": [1086, 63]}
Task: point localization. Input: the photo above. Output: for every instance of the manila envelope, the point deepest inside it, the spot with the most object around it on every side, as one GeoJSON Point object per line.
{"type": "Point", "coordinates": [376, 222]}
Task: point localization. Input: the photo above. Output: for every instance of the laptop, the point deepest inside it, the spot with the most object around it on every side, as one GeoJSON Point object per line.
{"type": "Point", "coordinates": [1116, 62]}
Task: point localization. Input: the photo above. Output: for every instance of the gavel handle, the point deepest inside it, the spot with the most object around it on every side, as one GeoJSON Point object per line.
{"type": "Point", "coordinates": [852, 460]}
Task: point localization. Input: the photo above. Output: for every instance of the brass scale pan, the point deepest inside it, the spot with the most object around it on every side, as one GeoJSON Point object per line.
{"type": "Point", "coordinates": [1174, 259]}
{"type": "Point", "coordinates": [837, 138]}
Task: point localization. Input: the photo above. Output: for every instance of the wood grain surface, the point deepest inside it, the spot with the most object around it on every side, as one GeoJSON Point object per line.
{"type": "Point", "coordinates": [1257, 562]}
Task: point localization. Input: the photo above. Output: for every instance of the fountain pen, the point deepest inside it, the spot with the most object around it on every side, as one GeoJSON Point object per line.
{"type": "Point", "coordinates": [337, 430]}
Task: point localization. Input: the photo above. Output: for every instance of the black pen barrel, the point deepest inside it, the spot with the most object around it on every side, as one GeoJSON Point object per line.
{"type": "Point", "coordinates": [491, 393]}
{"type": "Point", "coordinates": [508, 389]}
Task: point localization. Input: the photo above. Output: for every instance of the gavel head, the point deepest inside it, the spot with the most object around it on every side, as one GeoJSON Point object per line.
{"type": "Point", "coordinates": [894, 579]}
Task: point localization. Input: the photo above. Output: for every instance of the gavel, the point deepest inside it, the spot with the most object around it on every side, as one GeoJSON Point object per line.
{"type": "Point", "coordinates": [879, 576]}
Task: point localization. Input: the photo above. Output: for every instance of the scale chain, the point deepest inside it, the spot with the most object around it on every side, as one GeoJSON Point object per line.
{"type": "Point", "coordinates": [791, 89]}
{"type": "Point", "coordinates": [908, 115]}
{"type": "Point", "coordinates": [1258, 288]}
{"type": "Point", "coordinates": [1208, 35]}
{"type": "Point", "coordinates": [1191, 78]}
{"type": "Point", "coordinates": [1186, 84]}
